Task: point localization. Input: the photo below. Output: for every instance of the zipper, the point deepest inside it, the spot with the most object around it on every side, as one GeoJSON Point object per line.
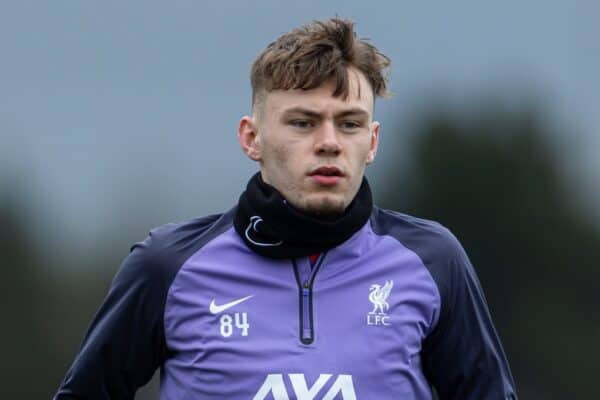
{"type": "Point", "coordinates": [305, 286]}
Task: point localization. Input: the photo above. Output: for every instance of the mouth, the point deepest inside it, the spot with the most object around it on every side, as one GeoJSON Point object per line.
{"type": "Point", "coordinates": [327, 175]}
{"type": "Point", "coordinates": [327, 171]}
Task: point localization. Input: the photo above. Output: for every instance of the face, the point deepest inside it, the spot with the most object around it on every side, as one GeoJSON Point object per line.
{"type": "Point", "coordinates": [311, 146]}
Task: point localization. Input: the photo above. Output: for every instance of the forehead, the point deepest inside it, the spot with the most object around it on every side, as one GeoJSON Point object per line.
{"type": "Point", "coordinates": [320, 99]}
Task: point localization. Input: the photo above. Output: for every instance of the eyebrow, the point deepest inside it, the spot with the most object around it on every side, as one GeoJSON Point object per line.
{"type": "Point", "coordinates": [317, 115]}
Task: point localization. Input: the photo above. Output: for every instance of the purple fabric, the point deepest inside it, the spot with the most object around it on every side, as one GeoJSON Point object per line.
{"type": "Point", "coordinates": [382, 360]}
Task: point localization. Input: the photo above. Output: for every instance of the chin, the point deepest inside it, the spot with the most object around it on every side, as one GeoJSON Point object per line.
{"type": "Point", "coordinates": [327, 206]}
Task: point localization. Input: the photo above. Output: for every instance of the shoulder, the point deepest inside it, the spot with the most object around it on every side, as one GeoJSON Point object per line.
{"type": "Point", "coordinates": [437, 247]}
{"type": "Point", "coordinates": [157, 258]}
{"type": "Point", "coordinates": [429, 239]}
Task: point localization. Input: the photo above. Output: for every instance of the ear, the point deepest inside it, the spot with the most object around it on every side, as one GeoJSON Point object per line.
{"type": "Point", "coordinates": [374, 142]}
{"type": "Point", "coordinates": [249, 139]}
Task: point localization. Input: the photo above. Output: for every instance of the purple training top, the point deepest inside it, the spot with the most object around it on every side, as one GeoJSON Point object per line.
{"type": "Point", "coordinates": [392, 312]}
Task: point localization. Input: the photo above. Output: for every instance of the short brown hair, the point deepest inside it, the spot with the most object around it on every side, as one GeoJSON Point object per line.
{"type": "Point", "coordinates": [307, 57]}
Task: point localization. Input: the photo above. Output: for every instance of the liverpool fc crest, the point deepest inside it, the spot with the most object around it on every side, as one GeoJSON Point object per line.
{"type": "Point", "coordinates": [378, 297]}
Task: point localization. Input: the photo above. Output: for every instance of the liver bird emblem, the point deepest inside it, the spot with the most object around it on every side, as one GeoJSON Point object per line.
{"type": "Point", "coordinates": [379, 295]}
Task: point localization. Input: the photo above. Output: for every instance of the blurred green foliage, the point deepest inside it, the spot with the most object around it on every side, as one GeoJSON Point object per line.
{"type": "Point", "coordinates": [492, 176]}
{"type": "Point", "coordinates": [44, 316]}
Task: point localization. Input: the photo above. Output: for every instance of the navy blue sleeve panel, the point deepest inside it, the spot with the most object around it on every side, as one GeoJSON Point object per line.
{"type": "Point", "coordinates": [462, 356]}
{"type": "Point", "coordinates": [125, 343]}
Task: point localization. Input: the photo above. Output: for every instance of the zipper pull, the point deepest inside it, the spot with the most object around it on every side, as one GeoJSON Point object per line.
{"type": "Point", "coordinates": [305, 291]}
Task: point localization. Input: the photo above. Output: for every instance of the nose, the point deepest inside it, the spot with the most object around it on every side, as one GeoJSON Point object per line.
{"type": "Point", "coordinates": [326, 140]}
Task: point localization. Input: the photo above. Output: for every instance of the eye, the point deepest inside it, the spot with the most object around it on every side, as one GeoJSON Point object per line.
{"type": "Point", "coordinates": [350, 125]}
{"type": "Point", "coordinates": [301, 123]}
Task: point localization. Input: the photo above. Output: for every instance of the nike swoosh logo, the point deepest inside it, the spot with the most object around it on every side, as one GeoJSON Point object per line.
{"type": "Point", "coordinates": [215, 309]}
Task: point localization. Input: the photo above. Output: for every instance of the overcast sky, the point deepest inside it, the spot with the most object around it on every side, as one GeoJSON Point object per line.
{"type": "Point", "coordinates": [103, 100]}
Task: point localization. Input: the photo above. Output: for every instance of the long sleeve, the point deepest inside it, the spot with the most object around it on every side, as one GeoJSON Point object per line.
{"type": "Point", "coordinates": [463, 357]}
{"type": "Point", "coordinates": [125, 342]}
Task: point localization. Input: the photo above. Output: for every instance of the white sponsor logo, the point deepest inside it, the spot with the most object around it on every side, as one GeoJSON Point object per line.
{"type": "Point", "coordinates": [274, 386]}
{"type": "Point", "coordinates": [378, 297]}
{"type": "Point", "coordinates": [215, 309]}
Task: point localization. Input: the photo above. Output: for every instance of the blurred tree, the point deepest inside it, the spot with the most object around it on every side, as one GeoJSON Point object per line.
{"type": "Point", "coordinates": [495, 181]}
{"type": "Point", "coordinates": [23, 340]}
{"type": "Point", "coordinates": [43, 315]}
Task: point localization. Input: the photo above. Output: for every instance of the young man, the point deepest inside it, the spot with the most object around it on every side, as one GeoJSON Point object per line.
{"type": "Point", "coordinates": [305, 289]}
